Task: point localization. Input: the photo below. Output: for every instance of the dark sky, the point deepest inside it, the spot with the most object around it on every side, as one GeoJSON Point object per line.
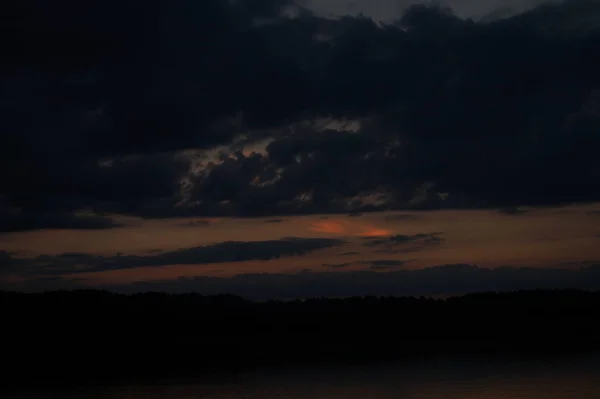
{"type": "Point", "coordinates": [165, 142]}
{"type": "Point", "coordinates": [390, 10]}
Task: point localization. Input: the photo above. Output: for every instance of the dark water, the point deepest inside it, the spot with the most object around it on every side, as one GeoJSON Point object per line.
{"type": "Point", "coordinates": [558, 378]}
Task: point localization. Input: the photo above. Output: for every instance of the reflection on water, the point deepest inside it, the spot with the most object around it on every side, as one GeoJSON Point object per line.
{"type": "Point", "coordinates": [565, 378]}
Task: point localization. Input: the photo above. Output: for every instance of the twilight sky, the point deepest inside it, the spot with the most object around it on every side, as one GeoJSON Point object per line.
{"type": "Point", "coordinates": [273, 148]}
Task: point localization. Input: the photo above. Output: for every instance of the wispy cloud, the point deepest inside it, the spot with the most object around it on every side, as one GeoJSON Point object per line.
{"type": "Point", "coordinates": [401, 240]}
{"type": "Point", "coordinates": [440, 280]}
{"type": "Point", "coordinates": [226, 252]}
{"type": "Point", "coordinates": [349, 228]}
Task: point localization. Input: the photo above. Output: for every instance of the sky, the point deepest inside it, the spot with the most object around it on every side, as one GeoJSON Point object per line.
{"type": "Point", "coordinates": [279, 149]}
{"type": "Point", "coordinates": [390, 10]}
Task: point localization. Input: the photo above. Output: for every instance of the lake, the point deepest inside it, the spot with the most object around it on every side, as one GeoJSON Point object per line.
{"type": "Point", "coordinates": [476, 378]}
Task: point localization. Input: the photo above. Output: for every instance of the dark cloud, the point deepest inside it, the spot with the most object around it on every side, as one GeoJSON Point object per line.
{"type": "Point", "coordinates": [404, 244]}
{"type": "Point", "coordinates": [398, 251]}
{"type": "Point", "coordinates": [8, 263]}
{"type": "Point", "coordinates": [399, 240]}
{"type": "Point", "coordinates": [52, 190]}
{"type": "Point", "coordinates": [400, 216]}
{"type": "Point", "coordinates": [233, 251]}
{"type": "Point", "coordinates": [16, 220]}
{"type": "Point", "coordinates": [388, 10]}
{"type": "Point", "coordinates": [349, 253]}
{"type": "Point", "coordinates": [283, 181]}
{"type": "Point", "coordinates": [383, 264]}
{"type": "Point", "coordinates": [336, 265]}
{"type": "Point", "coordinates": [197, 223]}
{"type": "Point", "coordinates": [580, 263]}
{"type": "Point", "coordinates": [442, 280]}
{"type": "Point", "coordinates": [513, 210]}
{"type": "Point", "coordinates": [98, 97]}
{"type": "Point", "coordinates": [386, 264]}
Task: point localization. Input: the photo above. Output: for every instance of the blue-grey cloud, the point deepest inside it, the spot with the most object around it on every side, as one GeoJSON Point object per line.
{"type": "Point", "coordinates": [513, 210]}
{"type": "Point", "coordinates": [232, 251]}
{"type": "Point", "coordinates": [60, 221]}
{"type": "Point", "coordinates": [401, 216]}
{"type": "Point", "coordinates": [388, 10]}
{"type": "Point", "coordinates": [336, 265]}
{"type": "Point", "coordinates": [434, 281]}
{"type": "Point", "coordinates": [100, 97]}
{"type": "Point", "coordinates": [386, 264]}
{"type": "Point", "coordinates": [415, 241]}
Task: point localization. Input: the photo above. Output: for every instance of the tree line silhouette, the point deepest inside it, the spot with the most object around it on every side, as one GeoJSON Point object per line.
{"type": "Point", "coordinates": [73, 335]}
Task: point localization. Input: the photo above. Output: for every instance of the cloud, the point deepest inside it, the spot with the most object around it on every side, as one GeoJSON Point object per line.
{"type": "Point", "coordinates": [386, 264]}
{"type": "Point", "coordinates": [103, 105]}
{"type": "Point", "coordinates": [329, 227]}
{"type": "Point", "coordinates": [388, 10]}
{"type": "Point", "coordinates": [513, 211]}
{"type": "Point", "coordinates": [414, 242]}
{"type": "Point", "coordinates": [401, 216]}
{"type": "Point", "coordinates": [440, 280]}
{"type": "Point", "coordinates": [199, 223]}
{"type": "Point", "coordinates": [15, 220]}
{"type": "Point", "coordinates": [375, 232]}
{"type": "Point", "coordinates": [8, 263]}
{"type": "Point", "coordinates": [51, 192]}
{"type": "Point", "coordinates": [342, 227]}
{"type": "Point", "coordinates": [382, 264]}
{"type": "Point", "coordinates": [336, 265]}
{"type": "Point", "coordinates": [233, 251]}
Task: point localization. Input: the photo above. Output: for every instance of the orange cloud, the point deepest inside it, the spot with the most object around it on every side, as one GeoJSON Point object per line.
{"type": "Point", "coordinates": [328, 227]}
{"type": "Point", "coordinates": [372, 231]}
{"type": "Point", "coordinates": [349, 228]}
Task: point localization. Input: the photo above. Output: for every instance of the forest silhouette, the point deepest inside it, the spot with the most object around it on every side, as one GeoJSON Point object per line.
{"type": "Point", "coordinates": [98, 335]}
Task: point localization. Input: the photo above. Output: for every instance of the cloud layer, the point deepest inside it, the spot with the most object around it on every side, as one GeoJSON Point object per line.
{"type": "Point", "coordinates": [442, 280]}
{"type": "Point", "coordinates": [263, 107]}
{"type": "Point", "coordinates": [71, 263]}
{"type": "Point", "coordinates": [435, 281]}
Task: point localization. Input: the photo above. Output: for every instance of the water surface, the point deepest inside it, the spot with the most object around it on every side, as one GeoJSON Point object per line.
{"type": "Point", "coordinates": [551, 378]}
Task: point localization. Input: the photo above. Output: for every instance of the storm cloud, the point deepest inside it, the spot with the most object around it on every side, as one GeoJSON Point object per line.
{"type": "Point", "coordinates": [268, 107]}
{"type": "Point", "coordinates": [15, 221]}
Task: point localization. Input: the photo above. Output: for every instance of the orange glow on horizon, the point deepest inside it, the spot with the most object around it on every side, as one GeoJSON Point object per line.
{"type": "Point", "coordinates": [564, 238]}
